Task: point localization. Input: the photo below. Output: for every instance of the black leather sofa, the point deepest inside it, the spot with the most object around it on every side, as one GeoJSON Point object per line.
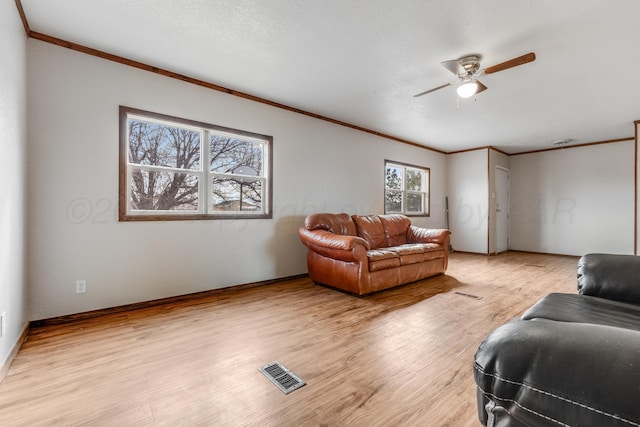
{"type": "Point", "coordinates": [572, 359]}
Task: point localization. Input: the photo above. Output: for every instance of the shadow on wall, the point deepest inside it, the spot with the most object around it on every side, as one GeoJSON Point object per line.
{"type": "Point", "coordinates": [288, 253]}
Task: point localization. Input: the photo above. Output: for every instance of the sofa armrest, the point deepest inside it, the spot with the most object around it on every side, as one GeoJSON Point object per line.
{"type": "Point", "coordinates": [536, 371]}
{"type": "Point", "coordinates": [428, 235]}
{"type": "Point", "coordinates": [615, 277]}
{"type": "Point", "coordinates": [336, 246]}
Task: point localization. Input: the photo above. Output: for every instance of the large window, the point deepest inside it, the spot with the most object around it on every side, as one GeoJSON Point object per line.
{"type": "Point", "coordinates": [175, 169]}
{"type": "Point", "coordinates": [406, 189]}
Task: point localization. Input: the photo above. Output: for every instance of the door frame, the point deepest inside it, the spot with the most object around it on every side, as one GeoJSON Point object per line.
{"type": "Point", "coordinates": [508, 195]}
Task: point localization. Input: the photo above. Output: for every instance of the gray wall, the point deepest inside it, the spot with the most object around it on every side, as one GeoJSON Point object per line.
{"type": "Point", "coordinates": [574, 201]}
{"type": "Point", "coordinates": [12, 175]}
{"type": "Point", "coordinates": [468, 191]}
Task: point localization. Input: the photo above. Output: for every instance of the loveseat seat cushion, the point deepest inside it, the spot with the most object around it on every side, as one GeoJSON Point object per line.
{"type": "Point", "coordinates": [412, 253]}
{"type": "Point", "coordinates": [336, 223]}
{"type": "Point", "coordinates": [370, 228]}
{"type": "Point", "coordinates": [432, 250]}
{"type": "Point", "coordinates": [381, 259]}
{"type": "Point", "coordinates": [585, 309]}
{"type": "Point", "coordinates": [409, 254]}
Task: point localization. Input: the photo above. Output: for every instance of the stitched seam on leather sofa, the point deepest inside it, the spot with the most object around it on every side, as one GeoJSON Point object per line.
{"type": "Point", "coordinates": [546, 417]}
{"type": "Point", "coordinates": [582, 405]}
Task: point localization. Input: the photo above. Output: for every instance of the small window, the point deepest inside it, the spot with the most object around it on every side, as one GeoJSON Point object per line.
{"type": "Point", "coordinates": [177, 169]}
{"type": "Point", "coordinates": [406, 189]}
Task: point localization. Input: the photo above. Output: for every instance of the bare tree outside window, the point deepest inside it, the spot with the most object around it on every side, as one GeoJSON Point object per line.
{"type": "Point", "coordinates": [165, 175]}
{"type": "Point", "coordinates": [232, 192]}
{"type": "Point", "coordinates": [165, 146]}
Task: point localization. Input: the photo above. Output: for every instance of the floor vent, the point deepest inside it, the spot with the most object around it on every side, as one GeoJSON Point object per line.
{"type": "Point", "coordinates": [468, 295]}
{"type": "Point", "coordinates": [283, 378]}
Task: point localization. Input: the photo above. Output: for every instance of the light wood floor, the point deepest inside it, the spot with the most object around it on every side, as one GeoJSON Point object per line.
{"type": "Point", "coordinates": [398, 357]}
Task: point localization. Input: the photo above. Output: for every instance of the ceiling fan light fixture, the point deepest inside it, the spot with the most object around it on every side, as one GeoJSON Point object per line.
{"type": "Point", "coordinates": [467, 89]}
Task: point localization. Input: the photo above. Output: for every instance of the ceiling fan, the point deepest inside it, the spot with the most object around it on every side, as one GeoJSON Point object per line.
{"type": "Point", "coordinates": [467, 68]}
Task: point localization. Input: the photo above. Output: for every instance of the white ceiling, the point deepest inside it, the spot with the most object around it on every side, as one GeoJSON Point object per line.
{"type": "Point", "coordinates": [361, 61]}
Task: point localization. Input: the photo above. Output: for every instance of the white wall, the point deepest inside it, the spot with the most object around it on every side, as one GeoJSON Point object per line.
{"type": "Point", "coordinates": [12, 169]}
{"type": "Point", "coordinates": [574, 201]}
{"type": "Point", "coordinates": [73, 188]}
{"type": "Point", "coordinates": [468, 190]}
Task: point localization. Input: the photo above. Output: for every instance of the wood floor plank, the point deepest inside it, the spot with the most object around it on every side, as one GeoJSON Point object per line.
{"type": "Point", "coordinates": [398, 357]}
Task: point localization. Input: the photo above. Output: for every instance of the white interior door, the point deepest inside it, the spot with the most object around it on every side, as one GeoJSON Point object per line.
{"type": "Point", "coordinates": [502, 209]}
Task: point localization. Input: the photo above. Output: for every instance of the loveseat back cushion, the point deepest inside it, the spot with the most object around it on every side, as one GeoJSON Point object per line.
{"type": "Point", "coordinates": [370, 228]}
{"type": "Point", "coordinates": [335, 223]}
{"type": "Point", "coordinates": [395, 229]}
{"type": "Point", "coordinates": [615, 277]}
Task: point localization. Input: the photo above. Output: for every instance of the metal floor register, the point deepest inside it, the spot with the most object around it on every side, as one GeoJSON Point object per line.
{"type": "Point", "coordinates": [283, 378]}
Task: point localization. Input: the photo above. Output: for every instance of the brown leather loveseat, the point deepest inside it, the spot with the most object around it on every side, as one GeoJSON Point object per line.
{"type": "Point", "coordinates": [364, 254]}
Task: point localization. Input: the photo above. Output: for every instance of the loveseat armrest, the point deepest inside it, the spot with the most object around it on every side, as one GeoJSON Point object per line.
{"type": "Point", "coordinates": [336, 246]}
{"type": "Point", "coordinates": [615, 277]}
{"type": "Point", "coordinates": [540, 372]}
{"type": "Point", "coordinates": [428, 235]}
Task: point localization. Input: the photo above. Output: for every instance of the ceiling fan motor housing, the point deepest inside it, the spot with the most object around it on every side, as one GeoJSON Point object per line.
{"type": "Point", "coordinates": [470, 64]}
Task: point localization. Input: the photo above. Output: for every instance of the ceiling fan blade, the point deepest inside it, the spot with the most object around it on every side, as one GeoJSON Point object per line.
{"type": "Point", "coordinates": [520, 60]}
{"type": "Point", "coordinates": [433, 90]}
{"type": "Point", "coordinates": [453, 65]}
{"type": "Point", "coordinates": [481, 87]}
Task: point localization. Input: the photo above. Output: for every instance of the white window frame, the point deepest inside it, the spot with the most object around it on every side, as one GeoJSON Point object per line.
{"type": "Point", "coordinates": [205, 208]}
{"type": "Point", "coordinates": [424, 191]}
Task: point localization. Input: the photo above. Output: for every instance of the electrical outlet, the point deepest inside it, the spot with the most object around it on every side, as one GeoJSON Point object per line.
{"type": "Point", "coordinates": [81, 286]}
{"type": "Point", "coordinates": [3, 324]}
